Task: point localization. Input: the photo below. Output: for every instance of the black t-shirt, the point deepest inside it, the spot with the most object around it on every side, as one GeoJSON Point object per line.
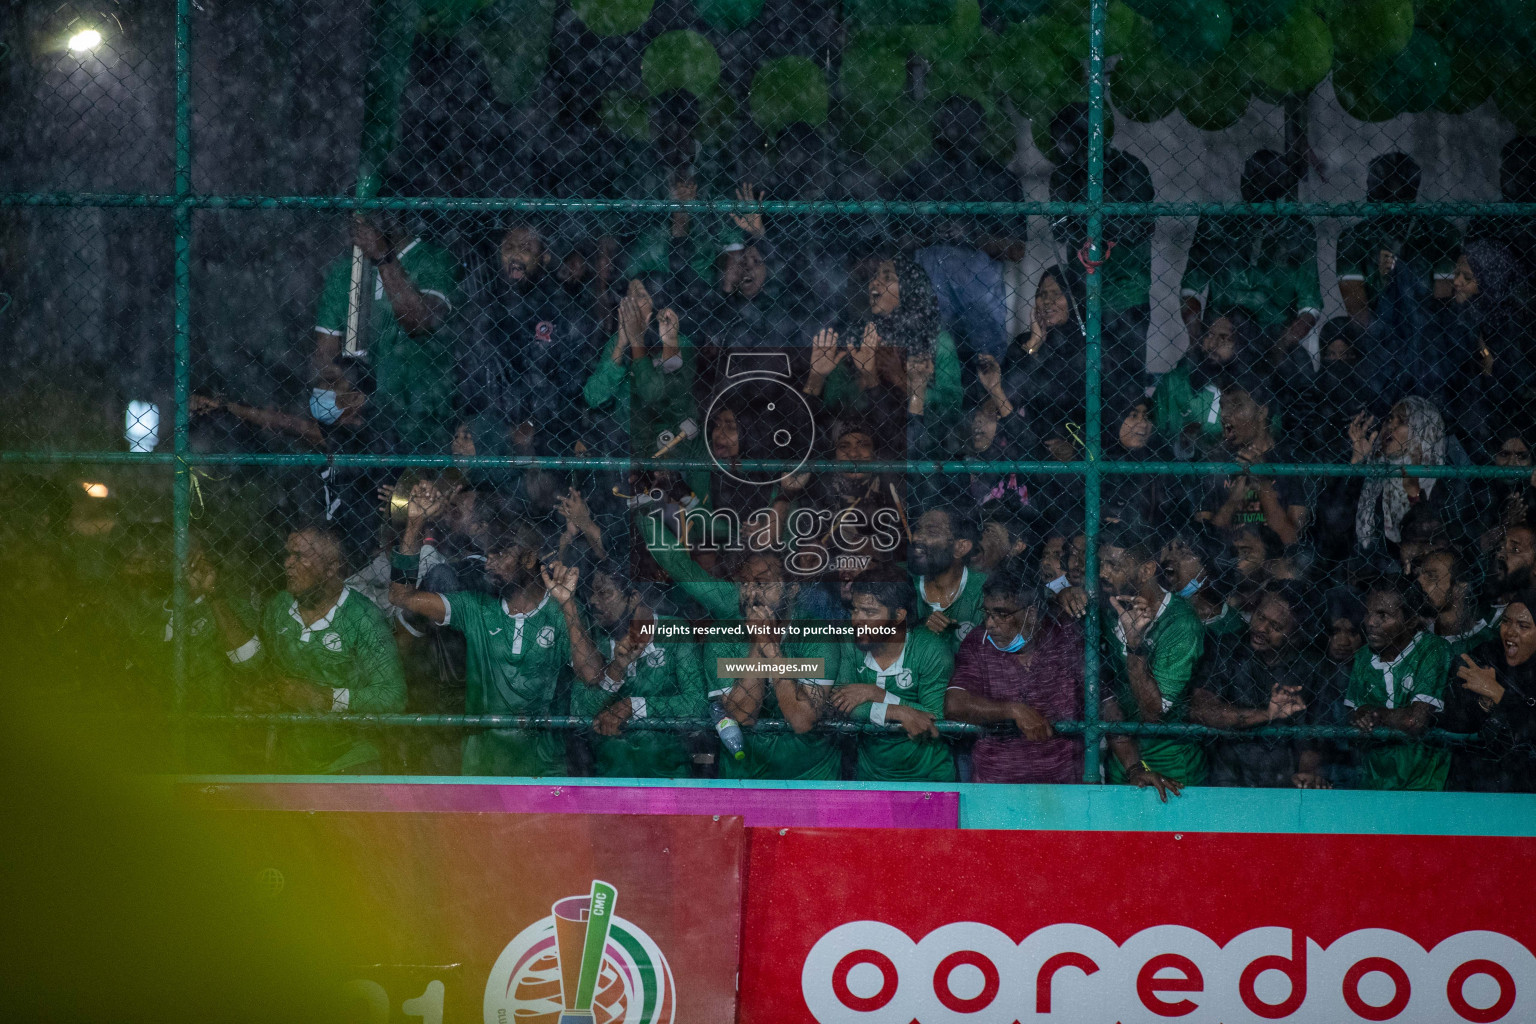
{"type": "Point", "coordinates": [1238, 676]}
{"type": "Point", "coordinates": [1292, 490]}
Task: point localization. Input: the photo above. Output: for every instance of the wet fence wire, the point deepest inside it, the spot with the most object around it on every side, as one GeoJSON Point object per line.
{"type": "Point", "coordinates": [426, 358]}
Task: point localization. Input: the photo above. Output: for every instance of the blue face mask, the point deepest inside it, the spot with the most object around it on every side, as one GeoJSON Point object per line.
{"type": "Point", "coordinates": [1014, 646]}
{"type": "Point", "coordinates": [323, 407]}
{"type": "Point", "coordinates": [1058, 584]}
{"type": "Point", "coordinates": [1192, 588]}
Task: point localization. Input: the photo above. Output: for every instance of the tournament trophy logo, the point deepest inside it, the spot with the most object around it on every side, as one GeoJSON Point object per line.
{"type": "Point", "coordinates": [583, 964]}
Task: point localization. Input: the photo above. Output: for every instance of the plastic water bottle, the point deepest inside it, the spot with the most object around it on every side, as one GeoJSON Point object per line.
{"type": "Point", "coordinates": [730, 731]}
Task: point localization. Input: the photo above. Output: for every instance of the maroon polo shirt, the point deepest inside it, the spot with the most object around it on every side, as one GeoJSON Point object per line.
{"type": "Point", "coordinates": [1051, 683]}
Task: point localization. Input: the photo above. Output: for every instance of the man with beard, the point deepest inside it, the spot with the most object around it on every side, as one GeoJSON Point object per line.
{"type": "Point", "coordinates": [1156, 642]}
{"type": "Point", "coordinates": [1445, 581]}
{"type": "Point", "coordinates": [1265, 678]}
{"type": "Point", "coordinates": [1512, 566]}
{"type": "Point", "coordinates": [1278, 502]}
{"type": "Point", "coordinates": [518, 643]}
{"type": "Point", "coordinates": [526, 329]}
{"type": "Point", "coordinates": [1398, 681]}
{"type": "Point", "coordinates": [329, 650]}
{"type": "Point", "coordinates": [1024, 667]}
{"type": "Point", "coordinates": [767, 601]}
{"type": "Point", "coordinates": [892, 673]}
{"type": "Point", "coordinates": [645, 677]}
{"type": "Point", "coordinates": [1186, 407]}
{"type": "Point", "coordinates": [948, 593]}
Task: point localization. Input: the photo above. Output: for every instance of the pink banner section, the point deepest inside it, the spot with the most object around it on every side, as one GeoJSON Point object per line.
{"type": "Point", "coordinates": [758, 808]}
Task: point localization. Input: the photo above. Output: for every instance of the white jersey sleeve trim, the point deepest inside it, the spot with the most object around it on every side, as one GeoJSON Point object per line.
{"type": "Point", "coordinates": [340, 699]}
{"type": "Point", "coordinates": [1351, 277]}
{"type": "Point", "coordinates": [877, 714]}
{"type": "Point", "coordinates": [245, 652]}
{"type": "Point", "coordinates": [327, 330]}
{"type": "Point", "coordinates": [1434, 702]}
{"type": "Point", "coordinates": [637, 707]}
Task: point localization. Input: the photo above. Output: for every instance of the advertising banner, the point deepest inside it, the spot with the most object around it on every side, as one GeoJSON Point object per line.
{"type": "Point", "coordinates": [533, 919]}
{"type": "Point", "coordinates": [878, 927]}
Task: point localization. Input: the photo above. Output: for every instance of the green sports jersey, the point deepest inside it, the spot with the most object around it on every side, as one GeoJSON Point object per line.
{"type": "Point", "coordinates": [918, 678]}
{"type": "Point", "coordinates": [1228, 622]}
{"type": "Point", "coordinates": [211, 661]}
{"type": "Point", "coordinates": [648, 394]}
{"type": "Point", "coordinates": [349, 652]}
{"type": "Point", "coordinates": [1177, 404]}
{"type": "Point", "coordinates": [1419, 673]}
{"type": "Point", "coordinates": [513, 665]}
{"type": "Point", "coordinates": [778, 755]}
{"type": "Point", "coordinates": [965, 609]}
{"type": "Point", "coordinates": [1479, 633]}
{"type": "Point", "coordinates": [413, 376]}
{"type": "Point", "coordinates": [665, 680]}
{"type": "Point", "coordinates": [942, 398]}
{"type": "Point", "coordinates": [1427, 246]}
{"type": "Point", "coordinates": [1174, 642]}
{"type": "Point", "coordinates": [1265, 265]}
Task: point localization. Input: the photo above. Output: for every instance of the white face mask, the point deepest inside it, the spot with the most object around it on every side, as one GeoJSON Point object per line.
{"type": "Point", "coordinates": [1014, 646]}
{"type": "Point", "coordinates": [323, 407]}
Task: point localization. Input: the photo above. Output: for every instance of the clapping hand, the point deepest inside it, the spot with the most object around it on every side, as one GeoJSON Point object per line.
{"type": "Point", "coordinates": [825, 355]}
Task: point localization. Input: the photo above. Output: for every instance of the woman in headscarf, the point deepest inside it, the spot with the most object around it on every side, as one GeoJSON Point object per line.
{"type": "Point", "coordinates": [1481, 332]}
{"type": "Point", "coordinates": [1044, 371]}
{"type": "Point", "coordinates": [1324, 403]}
{"type": "Point", "coordinates": [1492, 691]}
{"type": "Point", "coordinates": [1153, 501]}
{"type": "Point", "coordinates": [1370, 510]}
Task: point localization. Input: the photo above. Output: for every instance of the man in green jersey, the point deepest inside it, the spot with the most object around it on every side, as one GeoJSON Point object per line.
{"type": "Point", "coordinates": [1266, 265]}
{"type": "Point", "coordinates": [1373, 249]}
{"type": "Point", "coordinates": [415, 286]}
{"type": "Point", "coordinates": [948, 592]}
{"type": "Point", "coordinates": [518, 643]}
{"type": "Point", "coordinates": [1154, 646]}
{"type": "Point", "coordinates": [1398, 681]}
{"type": "Point", "coordinates": [892, 673]}
{"type": "Point", "coordinates": [328, 649]}
{"type": "Point", "coordinates": [645, 677]}
{"type": "Point", "coordinates": [1446, 581]}
{"type": "Point", "coordinates": [767, 602]}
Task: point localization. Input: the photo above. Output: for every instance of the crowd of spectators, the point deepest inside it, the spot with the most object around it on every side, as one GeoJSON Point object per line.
{"type": "Point", "coordinates": [1236, 601]}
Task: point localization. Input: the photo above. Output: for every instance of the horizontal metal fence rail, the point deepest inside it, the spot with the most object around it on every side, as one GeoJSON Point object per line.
{"type": "Point", "coordinates": [575, 723]}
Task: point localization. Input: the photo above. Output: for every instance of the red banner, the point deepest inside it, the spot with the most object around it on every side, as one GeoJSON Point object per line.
{"type": "Point", "coordinates": [881, 927]}
{"type": "Point", "coordinates": [505, 917]}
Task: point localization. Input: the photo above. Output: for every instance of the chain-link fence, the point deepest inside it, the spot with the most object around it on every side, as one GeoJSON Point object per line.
{"type": "Point", "coordinates": [1038, 390]}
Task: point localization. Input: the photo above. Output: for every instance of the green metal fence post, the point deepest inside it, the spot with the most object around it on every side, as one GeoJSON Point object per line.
{"type": "Point", "coordinates": [1093, 732]}
{"type": "Point", "coordinates": [181, 485]}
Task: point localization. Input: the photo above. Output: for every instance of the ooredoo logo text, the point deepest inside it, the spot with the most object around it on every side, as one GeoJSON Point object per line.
{"type": "Point", "coordinates": [873, 973]}
{"type": "Point", "coordinates": [583, 964]}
